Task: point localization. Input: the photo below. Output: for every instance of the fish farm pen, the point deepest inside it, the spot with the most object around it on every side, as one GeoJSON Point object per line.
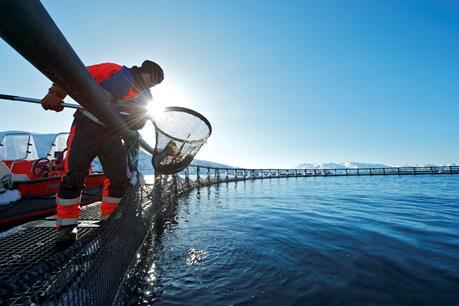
{"type": "Point", "coordinates": [96, 269]}
{"type": "Point", "coordinates": [217, 175]}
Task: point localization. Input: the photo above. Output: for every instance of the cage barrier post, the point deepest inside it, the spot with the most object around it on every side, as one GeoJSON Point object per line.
{"type": "Point", "coordinates": [198, 175]}
{"type": "Point", "coordinates": [187, 175]}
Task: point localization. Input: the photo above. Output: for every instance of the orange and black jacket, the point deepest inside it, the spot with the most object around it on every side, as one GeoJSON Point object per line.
{"type": "Point", "coordinates": [117, 80]}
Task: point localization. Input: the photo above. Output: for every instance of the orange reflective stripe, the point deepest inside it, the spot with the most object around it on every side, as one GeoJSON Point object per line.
{"type": "Point", "coordinates": [107, 208]}
{"type": "Point", "coordinates": [70, 211]}
{"type": "Point", "coordinates": [67, 202]}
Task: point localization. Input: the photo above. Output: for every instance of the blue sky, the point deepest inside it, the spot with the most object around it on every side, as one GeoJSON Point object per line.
{"type": "Point", "coordinates": [283, 82]}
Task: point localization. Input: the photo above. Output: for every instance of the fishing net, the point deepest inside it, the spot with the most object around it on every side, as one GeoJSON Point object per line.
{"type": "Point", "coordinates": [180, 133]}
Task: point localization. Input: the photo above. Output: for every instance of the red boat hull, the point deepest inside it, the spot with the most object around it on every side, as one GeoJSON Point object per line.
{"type": "Point", "coordinates": [32, 185]}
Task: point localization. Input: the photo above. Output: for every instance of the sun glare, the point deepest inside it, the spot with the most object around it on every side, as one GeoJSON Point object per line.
{"type": "Point", "coordinates": [155, 108]}
{"type": "Point", "coordinates": [164, 95]}
{"type": "Point", "coordinates": [169, 95]}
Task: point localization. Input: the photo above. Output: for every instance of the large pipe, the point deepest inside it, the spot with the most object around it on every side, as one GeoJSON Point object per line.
{"type": "Point", "coordinates": [27, 27]}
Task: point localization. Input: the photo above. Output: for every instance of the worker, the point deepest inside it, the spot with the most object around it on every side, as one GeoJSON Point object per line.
{"type": "Point", "coordinates": [129, 89]}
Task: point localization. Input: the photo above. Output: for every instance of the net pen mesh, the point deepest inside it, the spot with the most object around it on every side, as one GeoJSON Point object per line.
{"type": "Point", "coordinates": [35, 270]}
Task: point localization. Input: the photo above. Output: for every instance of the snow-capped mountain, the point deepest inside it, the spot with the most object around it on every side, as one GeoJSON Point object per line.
{"type": "Point", "coordinates": [205, 163]}
{"type": "Point", "coordinates": [343, 165]}
{"type": "Point", "coordinates": [146, 165]}
{"type": "Point", "coordinates": [428, 165]}
{"type": "Point", "coordinates": [354, 165]}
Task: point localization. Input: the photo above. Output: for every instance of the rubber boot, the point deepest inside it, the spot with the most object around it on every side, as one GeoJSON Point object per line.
{"type": "Point", "coordinates": [67, 234]}
{"type": "Point", "coordinates": [103, 222]}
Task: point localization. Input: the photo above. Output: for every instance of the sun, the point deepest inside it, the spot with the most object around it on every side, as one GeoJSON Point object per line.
{"type": "Point", "coordinates": [164, 95]}
{"type": "Point", "coordinates": [155, 108]}
{"type": "Point", "coordinates": [170, 94]}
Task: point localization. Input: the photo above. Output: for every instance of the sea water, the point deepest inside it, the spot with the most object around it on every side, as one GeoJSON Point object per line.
{"type": "Point", "coordinates": [390, 240]}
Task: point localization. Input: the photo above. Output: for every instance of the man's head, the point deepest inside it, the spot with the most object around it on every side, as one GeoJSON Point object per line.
{"type": "Point", "coordinates": [145, 76]}
{"type": "Point", "coordinates": [151, 73]}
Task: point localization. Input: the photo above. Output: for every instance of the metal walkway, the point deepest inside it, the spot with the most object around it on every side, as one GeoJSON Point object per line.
{"type": "Point", "coordinates": [36, 270]}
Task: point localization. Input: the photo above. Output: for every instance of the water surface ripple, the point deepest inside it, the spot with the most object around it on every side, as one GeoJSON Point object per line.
{"type": "Point", "coordinates": [310, 241]}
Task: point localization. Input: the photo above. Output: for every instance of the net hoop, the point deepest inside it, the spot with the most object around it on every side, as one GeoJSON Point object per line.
{"type": "Point", "coordinates": [173, 154]}
{"type": "Point", "coordinates": [188, 111]}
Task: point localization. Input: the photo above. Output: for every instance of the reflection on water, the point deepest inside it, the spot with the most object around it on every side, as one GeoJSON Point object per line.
{"type": "Point", "coordinates": [195, 256]}
{"type": "Point", "coordinates": [313, 241]}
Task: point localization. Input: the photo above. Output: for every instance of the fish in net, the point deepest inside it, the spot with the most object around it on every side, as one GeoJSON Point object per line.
{"type": "Point", "coordinates": [180, 134]}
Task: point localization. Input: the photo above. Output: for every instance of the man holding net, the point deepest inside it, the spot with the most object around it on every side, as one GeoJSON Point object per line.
{"type": "Point", "coordinates": [129, 89]}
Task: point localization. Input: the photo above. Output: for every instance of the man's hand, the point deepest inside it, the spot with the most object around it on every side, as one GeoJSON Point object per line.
{"type": "Point", "coordinates": [52, 102]}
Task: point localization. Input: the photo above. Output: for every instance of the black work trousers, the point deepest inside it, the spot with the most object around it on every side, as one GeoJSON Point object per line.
{"type": "Point", "coordinates": [88, 140]}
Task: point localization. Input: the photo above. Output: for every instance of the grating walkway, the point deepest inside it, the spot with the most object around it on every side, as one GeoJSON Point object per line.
{"type": "Point", "coordinates": [26, 250]}
{"type": "Point", "coordinates": [36, 270]}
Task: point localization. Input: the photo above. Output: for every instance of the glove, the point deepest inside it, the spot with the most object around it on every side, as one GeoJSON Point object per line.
{"type": "Point", "coordinates": [52, 102]}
